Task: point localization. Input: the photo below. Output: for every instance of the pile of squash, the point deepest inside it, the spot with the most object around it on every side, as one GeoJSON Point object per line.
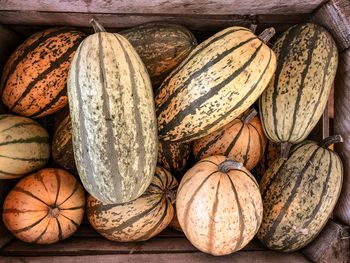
{"type": "Point", "coordinates": [162, 131]}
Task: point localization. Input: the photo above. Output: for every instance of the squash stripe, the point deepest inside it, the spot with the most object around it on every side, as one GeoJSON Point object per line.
{"type": "Point", "coordinates": [261, 153]}
{"type": "Point", "coordinates": [235, 139]}
{"type": "Point", "coordinates": [208, 145]}
{"type": "Point", "coordinates": [211, 226]}
{"type": "Point", "coordinates": [42, 233]}
{"type": "Point", "coordinates": [21, 190]}
{"type": "Point", "coordinates": [203, 70]}
{"type": "Point", "coordinates": [58, 179]}
{"type": "Point", "coordinates": [71, 220]}
{"type": "Point", "coordinates": [21, 124]}
{"type": "Point", "coordinates": [17, 231]}
{"type": "Point", "coordinates": [76, 186]}
{"type": "Point", "coordinates": [248, 148]}
{"type": "Point", "coordinates": [59, 229]}
{"type": "Point", "coordinates": [311, 47]}
{"type": "Point", "coordinates": [24, 159]}
{"type": "Point", "coordinates": [233, 108]}
{"type": "Point", "coordinates": [268, 235]}
{"type": "Point", "coordinates": [35, 139]}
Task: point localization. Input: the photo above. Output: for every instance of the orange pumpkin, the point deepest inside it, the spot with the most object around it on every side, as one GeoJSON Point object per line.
{"type": "Point", "coordinates": [219, 205]}
{"type": "Point", "coordinates": [242, 140]}
{"type": "Point", "coordinates": [35, 76]}
{"type": "Point", "coordinates": [45, 207]}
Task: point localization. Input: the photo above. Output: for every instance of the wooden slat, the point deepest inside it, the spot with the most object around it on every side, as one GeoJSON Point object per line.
{"type": "Point", "coordinates": [194, 22]}
{"type": "Point", "coordinates": [335, 16]}
{"type": "Point", "coordinates": [101, 246]}
{"type": "Point", "coordinates": [331, 245]}
{"type": "Point", "coordinates": [167, 7]}
{"type": "Point", "coordinates": [238, 257]}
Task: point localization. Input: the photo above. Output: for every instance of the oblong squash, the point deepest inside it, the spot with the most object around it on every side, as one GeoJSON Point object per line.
{"type": "Point", "coordinates": [296, 97]}
{"type": "Point", "coordinates": [219, 80]}
{"type": "Point", "coordinates": [34, 79]}
{"type": "Point", "coordinates": [161, 46]}
{"type": "Point", "coordinates": [299, 195]}
{"type": "Point", "coordinates": [113, 118]}
{"type": "Point", "coordinates": [218, 205]}
{"type": "Point", "coordinates": [140, 219]}
{"type": "Point", "coordinates": [24, 146]}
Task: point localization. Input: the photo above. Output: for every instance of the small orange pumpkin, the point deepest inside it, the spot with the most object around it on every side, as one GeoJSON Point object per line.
{"type": "Point", "coordinates": [45, 207]}
{"type": "Point", "coordinates": [242, 140]}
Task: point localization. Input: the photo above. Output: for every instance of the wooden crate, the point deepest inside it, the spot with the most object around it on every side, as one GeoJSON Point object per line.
{"type": "Point", "coordinates": [203, 18]}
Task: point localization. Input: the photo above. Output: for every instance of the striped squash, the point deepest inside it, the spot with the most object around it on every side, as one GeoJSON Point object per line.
{"type": "Point", "coordinates": [242, 140]}
{"type": "Point", "coordinates": [45, 207]}
{"type": "Point", "coordinates": [174, 156]}
{"type": "Point", "coordinates": [62, 146]}
{"type": "Point", "coordinates": [24, 146]}
{"type": "Point", "coordinates": [299, 195]}
{"type": "Point", "coordinates": [35, 76]}
{"type": "Point", "coordinates": [113, 118]}
{"type": "Point", "coordinates": [219, 80]}
{"type": "Point", "coordinates": [296, 97]}
{"type": "Point", "coordinates": [140, 219]}
{"type": "Point", "coordinates": [161, 46]}
{"type": "Point", "coordinates": [218, 205]}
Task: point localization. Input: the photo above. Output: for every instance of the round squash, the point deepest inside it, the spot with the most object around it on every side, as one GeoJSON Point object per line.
{"type": "Point", "coordinates": [220, 79]}
{"type": "Point", "coordinates": [62, 146]}
{"type": "Point", "coordinates": [242, 140]}
{"type": "Point", "coordinates": [114, 125]}
{"type": "Point", "coordinates": [299, 195]}
{"type": "Point", "coordinates": [161, 46]}
{"type": "Point", "coordinates": [140, 219]}
{"type": "Point", "coordinates": [296, 97]}
{"type": "Point", "coordinates": [45, 207]}
{"type": "Point", "coordinates": [24, 146]}
{"type": "Point", "coordinates": [175, 223]}
{"type": "Point", "coordinates": [174, 156]}
{"type": "Point", "coordinates": [35, 76]}
{"type": "Point", "coordinates": [219, 206]}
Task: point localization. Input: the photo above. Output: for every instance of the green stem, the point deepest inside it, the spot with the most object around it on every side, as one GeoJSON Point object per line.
{"type": "Point", "coordinates": [97, 26]}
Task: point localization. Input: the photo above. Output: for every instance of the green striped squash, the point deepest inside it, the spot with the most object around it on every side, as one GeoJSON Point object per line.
{"type": "Point", "coordinates": [140, 219]}
{"type": "Point", "coordinates": [299, 195]}
{"type": "Point", "coordinates": [296, 97]}
{"type": "Point", "coordinates": [114, 126]}
{"type": "Point", "coordinates": [161, 46]}
{"type": "Point", "coordinates": [220, 79]}
{"type": "Point", "coordinates": [24, 146]}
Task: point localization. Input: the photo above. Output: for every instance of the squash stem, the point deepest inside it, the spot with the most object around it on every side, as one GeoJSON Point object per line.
{"type": "Point", "coordinates": [253, 27]}
{"type": "Point", "coordinates": [170, 195]}
{"type": "Point", "coordinates": [331, 140]}
{"type": "Point", "coordinates": [228, 165]}
{"type": "Point", "coordinates": [249, 115]}
{"type": "Point", "coordinates": [54, 211]}
{"type": "Point", "coordinates": [97, 26]}
{"type": "Point", "coordinates": [267, 34]}
{"type": "Point", "coordinates": [285, 148]}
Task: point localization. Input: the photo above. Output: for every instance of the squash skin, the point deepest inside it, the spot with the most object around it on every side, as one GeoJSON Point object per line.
{"type": "Point", "coordinates": [140, 219]}
{"type": "Point", "coordinates": [34, 79]}
{"type": "Point", "coordinates": [161, 46]}
{"type": "Point", "coordinates": [113, 118]}
{"type": "Point", "coordinates": [218, 212]}
{"type": "Point", "coordinates": [299, 195]}
{"type": "Point", "coordinates": [296, 97]}
{"type": "Point", "coordinates": [24, 146]}
{"type": "Point", "coordinates": [208, 90]}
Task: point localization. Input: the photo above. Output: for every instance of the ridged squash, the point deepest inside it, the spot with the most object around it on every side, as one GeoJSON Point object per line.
{"type": "Point", "coordinates": [161, 46]}
{"type": "Point", "coordinates": [140, 219]}
{"type": "Point", "coordinates": [299, 195]}
{"type": "Point", "coordinates": [296, 97]}
{"type": "Point", "coordinates": [113, 118]}
{"type": "Point", "coordinates": [220, 79]}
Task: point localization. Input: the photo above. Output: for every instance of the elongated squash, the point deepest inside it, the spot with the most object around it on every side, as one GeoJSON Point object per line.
{"type": "Point", "coordinates": [113, 118]}
{"type": "Point", "coordinates": [140, 219]}
{"type": "Point", "coordinates": [295, 99]}
{"type": "Point", "coordinates": [219, 80]}
{"type": "Point", "coordinates": [299, 195]}
{"type": "Point", "coordinates": [161, 46]}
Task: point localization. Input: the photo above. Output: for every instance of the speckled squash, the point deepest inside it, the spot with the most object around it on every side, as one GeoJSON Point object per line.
{"type": "Point", "coordinates": [62, 146]}
{"type": "Point", "coordinates": [34, 79]}
{"type": "Point", "coordinates": [137, 220]}
{"type": "Point", "coordinates": [24, 146]}
{"type": "Point", "coordinates": [114, 125]}
{"type": "Point", "coordinates": [45, 207]}
{"type": "Point", "coordinates": [296, 97]}
{"type": "Point", "coordinates": [219, 206]}
{"type": "Point", "coordinates": [242, 140]}
{"type": "Point", "coordinates": [219, 80]}
{"type": "Point", "coordinates": [174, 156]}
{"type": "Point", "coordinates": [299, 195]}
{"type": "Point", "coordinates": [161, 46]}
